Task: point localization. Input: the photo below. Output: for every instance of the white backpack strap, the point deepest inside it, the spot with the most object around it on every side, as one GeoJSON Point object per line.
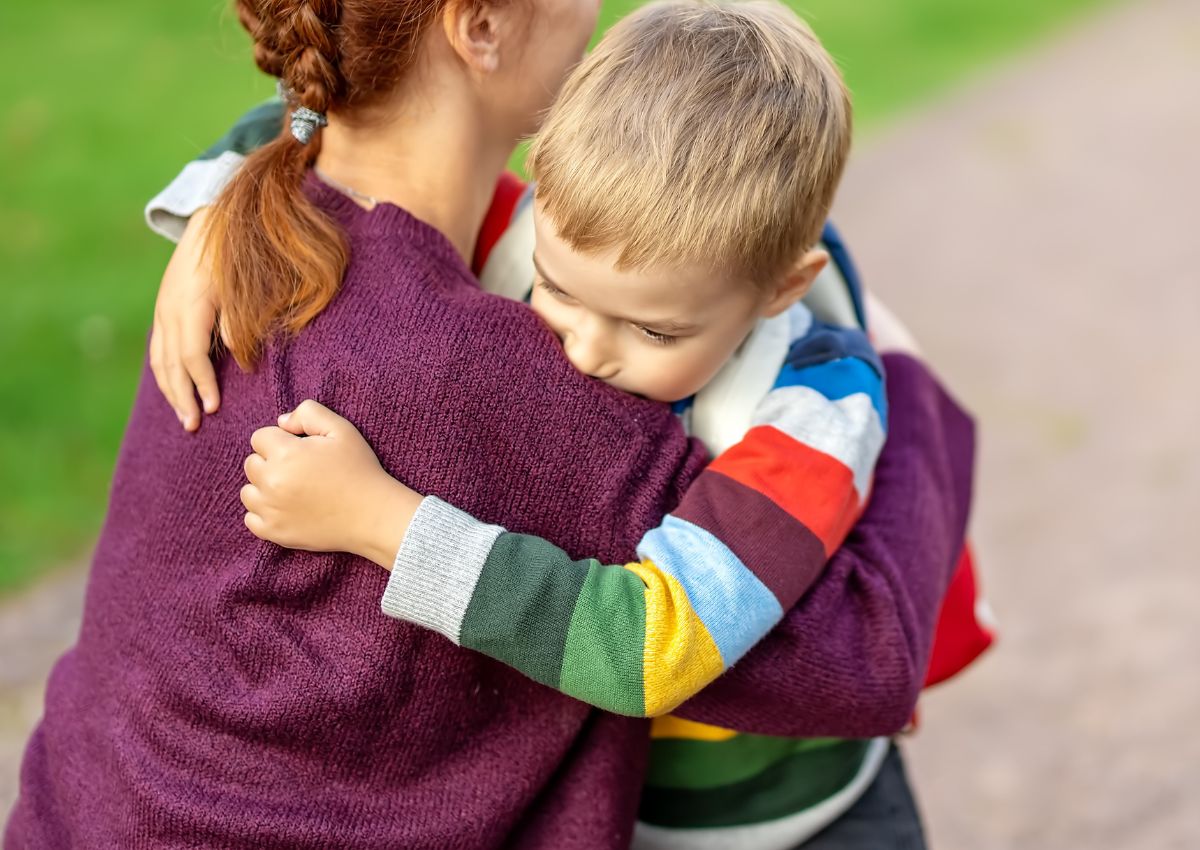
{"type": "Point", "coordinates": [830, 299]}
{"type": "Point", "coordinates": [722, 410]}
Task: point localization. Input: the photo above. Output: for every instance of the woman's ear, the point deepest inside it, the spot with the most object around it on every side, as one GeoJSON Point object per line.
{"type": "Point", "coordinates": [795, 283]}
{"type": "Point", "coordinates": [473, 30]}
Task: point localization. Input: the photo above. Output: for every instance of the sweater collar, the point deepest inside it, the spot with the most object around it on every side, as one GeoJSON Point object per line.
{"type": "Point", "coordinates": [385, 220]}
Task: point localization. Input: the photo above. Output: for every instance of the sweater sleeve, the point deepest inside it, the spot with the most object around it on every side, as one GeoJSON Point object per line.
{"type": "Point", "coordinates": [202, 179]}
{"type": "Point", "coordinates": [849, 660]}
{"type": "Point", "coordinates": [747, 540]}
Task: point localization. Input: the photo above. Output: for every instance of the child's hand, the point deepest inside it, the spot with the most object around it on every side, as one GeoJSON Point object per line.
{"type": "Point", "coordinates": [181, 339]}
{"type": "Point", "coordinates": [315, 484]}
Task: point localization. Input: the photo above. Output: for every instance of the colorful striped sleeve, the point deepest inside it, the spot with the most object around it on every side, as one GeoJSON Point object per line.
{"type": "Point", "coordinates": [747, 540]}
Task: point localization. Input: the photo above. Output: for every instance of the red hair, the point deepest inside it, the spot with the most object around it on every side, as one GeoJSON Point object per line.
{"type": "Point", "coordinates": [277, 259]}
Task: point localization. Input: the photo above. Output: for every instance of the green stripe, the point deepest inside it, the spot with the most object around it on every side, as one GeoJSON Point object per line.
{"type": "Point", "coordinates": [605, 646]}
{"type": "Point", "coordinates": [794, 784]}
{"type": "Point", "coordinates": [688, 763]}
{"type": "Point", "coordinates": [253, 130]}
{"type": "Point", "coordinates": [521, 608]}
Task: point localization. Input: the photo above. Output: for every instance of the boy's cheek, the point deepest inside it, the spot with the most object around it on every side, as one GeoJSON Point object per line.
{"type": "Point", "coordinates": [683, 375]}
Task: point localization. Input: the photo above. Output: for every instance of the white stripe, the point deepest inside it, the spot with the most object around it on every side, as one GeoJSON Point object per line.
{"type": "Point", "coordinates": [830, 300]}
{"type": "Point", "coordinates": [437, 567]}
{"type": "Point", "coordinates": [198, 185]}
{"type": "Point", "coordinates": [847, 429]}
{"type": "Point", "coordinates": [781, 834]}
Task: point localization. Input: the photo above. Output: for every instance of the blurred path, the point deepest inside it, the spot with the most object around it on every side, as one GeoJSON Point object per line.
{"type": "Point", "coordinates": [1054, 203]}
{"type": "Point", "coordinates": [1057, 288]}
{"type": "Point", "coordinates": [35, 628]}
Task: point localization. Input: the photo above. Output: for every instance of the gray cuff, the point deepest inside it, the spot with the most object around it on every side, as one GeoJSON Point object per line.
{"type": "Point", "coordinates": [198, 185]}
{"type": "Point", "coordinates": [438, 566]}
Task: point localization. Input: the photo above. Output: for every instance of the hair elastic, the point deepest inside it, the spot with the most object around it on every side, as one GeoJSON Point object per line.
{"type": "Point", "coordinates": [304, 122]}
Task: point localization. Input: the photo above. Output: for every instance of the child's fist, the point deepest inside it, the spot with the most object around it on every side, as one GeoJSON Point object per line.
{"type": "Point", "coordinates": [315, 484]}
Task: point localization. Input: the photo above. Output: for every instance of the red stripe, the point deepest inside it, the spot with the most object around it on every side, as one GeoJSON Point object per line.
{"type": "Point", "coordinates": [508, 191]}
{"type": "Point", "coordinates": [813, 487]}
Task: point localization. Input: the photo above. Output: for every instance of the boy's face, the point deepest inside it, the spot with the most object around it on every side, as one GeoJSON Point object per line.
{"type": "Point", "coordinates": [662, 334]}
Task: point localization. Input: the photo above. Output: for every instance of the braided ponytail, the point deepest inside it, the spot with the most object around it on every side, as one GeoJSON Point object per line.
{"type": "Point", "coordinates": [277, 259]}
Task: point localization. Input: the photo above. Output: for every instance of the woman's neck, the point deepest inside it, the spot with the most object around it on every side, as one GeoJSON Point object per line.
{"type": "Point", "coordinates": [439, 163]}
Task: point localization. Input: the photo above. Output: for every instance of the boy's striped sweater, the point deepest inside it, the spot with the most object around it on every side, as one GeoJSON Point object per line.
{"type": "Point", "coordinates": [748, 539]}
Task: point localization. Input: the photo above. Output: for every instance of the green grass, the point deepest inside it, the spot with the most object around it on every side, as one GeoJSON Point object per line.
{"type": "Point", "coordinates": [108, 100]}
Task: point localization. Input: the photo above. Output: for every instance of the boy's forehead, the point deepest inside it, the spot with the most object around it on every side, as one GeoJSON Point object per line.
{"type": "Point", "coordinates": [594, 277]}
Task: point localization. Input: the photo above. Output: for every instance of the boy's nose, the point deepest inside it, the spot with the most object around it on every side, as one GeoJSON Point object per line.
{"type": "Point", "coordinates": [590, 356]}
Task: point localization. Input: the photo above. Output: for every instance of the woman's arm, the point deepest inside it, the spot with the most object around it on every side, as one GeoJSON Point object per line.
{"type": "Point", "coordinates": [850, 658]}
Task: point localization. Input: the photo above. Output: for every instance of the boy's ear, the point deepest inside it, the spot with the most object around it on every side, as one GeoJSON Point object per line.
{"type": "Point", "coordinates": [473, 29]}
{"type": "Point", "coordinates": [796, 282]}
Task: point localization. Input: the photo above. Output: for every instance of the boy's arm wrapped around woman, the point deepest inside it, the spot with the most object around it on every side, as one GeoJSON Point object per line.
{"type": "Point", "coordinates": [747, 540]}
{"type": "Point", "coordinates": [850, 659]}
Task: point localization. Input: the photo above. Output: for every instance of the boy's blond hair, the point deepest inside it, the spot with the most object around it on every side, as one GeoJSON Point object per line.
{"type": "Point", "coordinates": [697, 133]}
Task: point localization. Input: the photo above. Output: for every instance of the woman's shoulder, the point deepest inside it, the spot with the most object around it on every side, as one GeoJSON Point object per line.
{"type": "Point", "coordinates": [409, 303]}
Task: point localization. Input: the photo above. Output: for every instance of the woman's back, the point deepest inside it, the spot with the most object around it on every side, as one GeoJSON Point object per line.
{"type": "Point", "coordinates": [225, 692]}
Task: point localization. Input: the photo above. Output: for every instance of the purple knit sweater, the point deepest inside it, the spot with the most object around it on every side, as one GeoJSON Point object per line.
{"type": "Point", "coordinates": [228, 693]}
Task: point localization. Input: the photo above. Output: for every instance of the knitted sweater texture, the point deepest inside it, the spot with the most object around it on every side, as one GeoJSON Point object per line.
{"type": "Point", "coordinates": [228, 693]}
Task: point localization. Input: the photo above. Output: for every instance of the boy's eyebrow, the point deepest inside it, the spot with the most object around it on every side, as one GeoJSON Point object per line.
{"type": "Point", "coordinates": [665, 325]}
{"type": "Point", "coordinates": [541, 271]}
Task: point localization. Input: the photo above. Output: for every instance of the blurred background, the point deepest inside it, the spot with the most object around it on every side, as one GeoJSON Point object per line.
{"type": "Point", "coordinates": [1023, 192]}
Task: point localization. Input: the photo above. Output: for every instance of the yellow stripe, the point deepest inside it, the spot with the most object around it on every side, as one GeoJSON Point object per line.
{"type": "Point", "coordinates": [679, 657]}
{"type": "Point", "coordinates": [671, 726]}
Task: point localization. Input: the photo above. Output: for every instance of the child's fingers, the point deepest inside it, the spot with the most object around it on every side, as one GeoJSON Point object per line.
{"type": "Point", "coordinates": [182, 390]}
{"type": "Point", "coordinates": [269, 441]}
{"type": "Point", "coordinates": [158, 364]}
{"type": "Point", "coordinates": [253, 467]}
{"type": "Point", "coordinates": [256, 525]}
{"type": "Point", "coordinates": [312, 419]}
{"type": "Point", "coordinates": [252, 499]}
{"type": "Point", "coordinates": [202, 374]}
{"type": "Point", "coordinates": [185, 402]}
{"type": "Point", "coordinates": [194, 352]}
{"type": "Point", "coordinates": [291, 423]}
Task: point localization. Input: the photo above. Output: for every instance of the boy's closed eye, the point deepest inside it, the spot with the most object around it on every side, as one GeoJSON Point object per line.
{"type": "Point", "coordinates": [553, 290]}
{"type": "Point", "coordinates": [656, 337]}
{"type": "Point", "coordinates": [650, 334]}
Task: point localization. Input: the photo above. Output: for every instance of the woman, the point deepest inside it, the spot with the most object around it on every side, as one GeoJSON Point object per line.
{"type": "Point", "coordinates": [227, 693]}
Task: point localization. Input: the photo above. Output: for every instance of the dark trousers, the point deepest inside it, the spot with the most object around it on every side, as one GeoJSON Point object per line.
{"type": "Point", "coordinates": [884, 818]}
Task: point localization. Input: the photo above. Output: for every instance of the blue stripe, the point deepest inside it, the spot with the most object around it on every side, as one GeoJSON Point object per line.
{"type": "Point", "coordinates": [841, 258]}
{"type": "Point", "coordinates": [735, 607]}
{"type": "Point", "coordinates": [839, 379]}
{"type": "Point", "coordinates": [824, 342]}
{"type": "Point", "coordinates": [681, 407]}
